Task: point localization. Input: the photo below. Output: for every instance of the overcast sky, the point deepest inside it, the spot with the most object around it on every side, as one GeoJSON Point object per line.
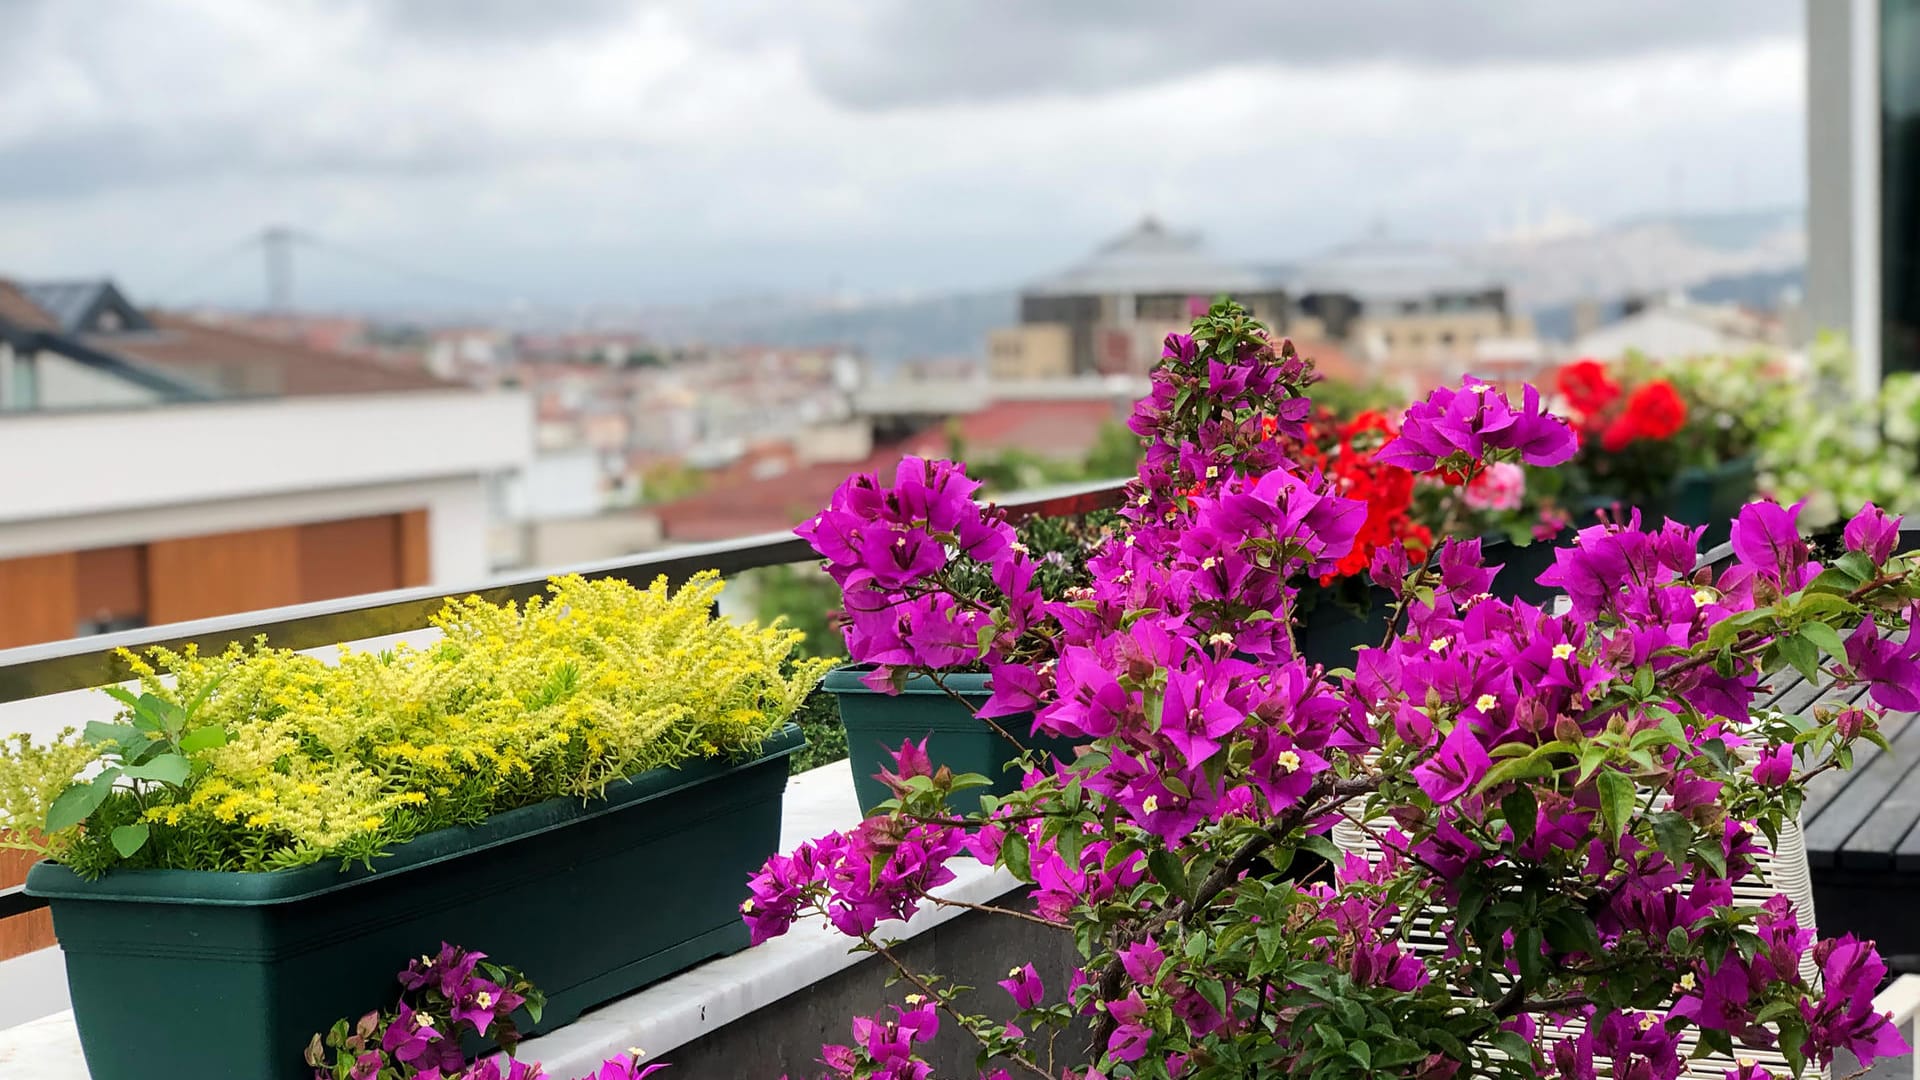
{"type": "Point", "coordinates": [617, 150]}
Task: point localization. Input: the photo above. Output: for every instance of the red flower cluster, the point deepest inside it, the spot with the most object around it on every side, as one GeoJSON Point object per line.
{"type": "Point", "coordinates": [1654, 410]}
{"type": "Point", "coordinates": [1344, 453]}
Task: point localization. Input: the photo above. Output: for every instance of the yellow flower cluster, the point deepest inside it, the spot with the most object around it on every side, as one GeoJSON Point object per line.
{"type": "Point", "coordinates": [595, 682]}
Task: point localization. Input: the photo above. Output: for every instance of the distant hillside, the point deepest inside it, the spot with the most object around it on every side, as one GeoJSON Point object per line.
{"type": "Point", "coordinates": [1762, 290]}
{"type": "Point", "coordinates": [1645, 257]}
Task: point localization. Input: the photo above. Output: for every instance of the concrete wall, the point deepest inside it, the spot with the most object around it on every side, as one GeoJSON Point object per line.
{"type": "Point", "coordinates": [973, 950]}
{"type": "Point", "coordinates": [65, 384]}
{"type": "Point", "coordinates": [1031, 351]}
{"type": "Point", "coordinates": [120, 460]}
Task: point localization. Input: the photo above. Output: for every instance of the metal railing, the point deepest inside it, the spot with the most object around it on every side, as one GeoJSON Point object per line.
{"type": "Point", "coordinates": [38, 670]}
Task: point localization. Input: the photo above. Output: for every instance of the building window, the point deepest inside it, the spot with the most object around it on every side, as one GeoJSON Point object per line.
{"type": "Point", "coordinates": [1900, 184]}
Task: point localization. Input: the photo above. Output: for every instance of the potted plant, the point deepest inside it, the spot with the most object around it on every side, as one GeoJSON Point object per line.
{"type": "Point", "coordinates": [266, 833]}
{"type": "Point", "coordinates": [1568, 798]}
{"type": "Point", "coordinates": [1675, 441]}
{"type": "Point", "coordinates": [946, 715]}
{"type": "Point", "coordinates": [1346, 609]}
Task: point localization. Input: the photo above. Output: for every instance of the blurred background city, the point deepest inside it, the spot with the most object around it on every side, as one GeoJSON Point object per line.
{"type": "Point", "coordinates": [307, 300]}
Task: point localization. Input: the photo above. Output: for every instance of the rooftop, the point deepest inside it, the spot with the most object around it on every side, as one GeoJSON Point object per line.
{"type": "Point", "coordinates": [1149, 259]}
{"type": "Point", "coordinates": [1381, 269]}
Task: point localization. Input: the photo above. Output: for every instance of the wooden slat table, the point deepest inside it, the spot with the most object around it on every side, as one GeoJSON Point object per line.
{"type": "Point", "coordinates": [1863, 827]}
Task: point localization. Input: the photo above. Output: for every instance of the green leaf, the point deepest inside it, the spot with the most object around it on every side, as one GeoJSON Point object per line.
{"type": "Point", "coordinates": [1643, 680]}
{"type": "Point", "coordinates": [1616, 803]}
{"type": "Point", "coordinates": [174, 769]}
{"type": "Point", "coordinates": [1856, 565]}
{"type": "Point", "coordinates": [1016, 856]}
{"type": "Point", "coordinates": [128, 839]}
{"type": "Point", "coordinates": [1522, 811]}
{"type": "Point", "coordinates": [1520, 768]}
{"type": "Point", "coordinates": [1322, 847]}
{"type": "Point", "coordinates": [1820, 606]}
{"type": "Point", "coordinates": [1825, 638]}
{"type": "Point", "coordinates": [1802, 654]}
{"type": "Point", "coordinates": [1168, 871]}
{"type": "Point", "coordinates": [77, 803]}
{"type": "Point", "coordinates": [103, 734]}
{"type": "Point", "coordinates": [206, 738]}
{"type": "Point", "coordinates": [1674, 834]}
{"type": "Point", "coordinates": [1832, 581]}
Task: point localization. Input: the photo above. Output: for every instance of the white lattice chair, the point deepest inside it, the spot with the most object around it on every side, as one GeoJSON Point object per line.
{"type": "Point", "coordinates": [1781, 872]}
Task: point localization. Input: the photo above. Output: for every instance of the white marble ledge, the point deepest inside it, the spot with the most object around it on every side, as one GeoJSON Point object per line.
{"type": "Point", "coordinates": [666, 1015]}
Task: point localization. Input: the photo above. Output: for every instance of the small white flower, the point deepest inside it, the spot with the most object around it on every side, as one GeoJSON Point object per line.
{"type": "Point", "coordinates": [422, 1020]}
{"type": "Point", "coordinates": [1150, 804]}
{"type": "Point", "coordinates": [1221, 638]}
{"type": "Point", "coordinates": [1209, 563]}
{"type": "Point", "coordinates": [746, 905]}
{"type": "Point", "coordinates": [1703, 596]}
{"type": "Point", "coordinates": [1745, 1062]}
{"type": "Point", "coordinates": [1439, 644]}
{"type": "Point", "coordinates": [916, 999]}
{"type": "Point", "coordinates": [483, 999]}
{"type": "Point", "coordinates": [636, 1053]}
{"type": "Point", "coordinates": [1562, 651]}
{"type": "Point", "coordinates": [1018, 547]}
{"type": "Point", "coordinates": [1646, 1021]}
{"type": "Point", "coordinates": [1687, 981]}
{"type": "Point", "coordinates": [1013, 973]}
{"type": "Point", "coordinates": [1213, 472]}
{"type": "Point", "coordinates": [1288, 761]}
{"type": "Point", "coordinates": [1486, 702]}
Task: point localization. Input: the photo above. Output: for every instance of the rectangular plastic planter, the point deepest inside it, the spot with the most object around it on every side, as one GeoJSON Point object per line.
{"type": "Point", "coordinates": [877, 723]}
{"type": "Point", "coordinates": [199, 973]}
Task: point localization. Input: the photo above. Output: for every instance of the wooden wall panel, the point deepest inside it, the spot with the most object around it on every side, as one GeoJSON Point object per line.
{"type": "Point", "coordinates": [112, 583]}
{"type": "Point", "coordinates": [350, 557]}
{"type": "Point", "coordinates": [222, 574]}
{"type": "Point", "coordinates": [416, 564]}
{"type": "Point", "coordinates": [22, 933]}
{"type": "Point", "coordinates": [37, 599]}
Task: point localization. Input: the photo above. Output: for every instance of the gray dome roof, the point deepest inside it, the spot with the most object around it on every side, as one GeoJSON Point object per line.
{"type": "Point", "coordinates": [1381, 269]}
{"type": "Point", "coordinates": [1150, 259]}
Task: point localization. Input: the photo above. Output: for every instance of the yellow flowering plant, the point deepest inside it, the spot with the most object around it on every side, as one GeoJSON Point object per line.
{"type": "Point", "coordinates": [270, 759]}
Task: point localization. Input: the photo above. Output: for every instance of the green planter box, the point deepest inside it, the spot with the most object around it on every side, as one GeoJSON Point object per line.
{"type": "Point", "coordinates": [199, 973]}
{"type": "Point", "coordinates": [1711, 497]}
{"type": "Point", "coordinates": [877, 723]}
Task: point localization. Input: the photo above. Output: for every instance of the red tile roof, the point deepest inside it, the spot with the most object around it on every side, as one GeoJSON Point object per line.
{"type": "Point", "coordinates": [18, 311]}
{"type": "Point", "coordinates": [240, 363]}
{"type": "Point", "coordinates": [1048, 428]}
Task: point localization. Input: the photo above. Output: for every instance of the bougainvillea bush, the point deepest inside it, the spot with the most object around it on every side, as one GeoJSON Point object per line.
{"type": "Point", "coordinates": [449, 1002]}
{"type": "Point", "coordinates": [1568, 795]}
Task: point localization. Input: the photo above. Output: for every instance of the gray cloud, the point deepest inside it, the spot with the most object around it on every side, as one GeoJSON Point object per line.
{"type": "Point", "coordinates": [595, 148]}
{"type": "Point", "coordinates": [499, 20]}
{"type": "Point", "coordinates": [883, 53]}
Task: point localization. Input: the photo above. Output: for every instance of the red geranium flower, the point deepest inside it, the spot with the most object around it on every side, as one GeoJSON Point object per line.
{"type": "Point", "coordinates": [1654, 411]}
{"type": "Point", "coordinates": [1587, 387]}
